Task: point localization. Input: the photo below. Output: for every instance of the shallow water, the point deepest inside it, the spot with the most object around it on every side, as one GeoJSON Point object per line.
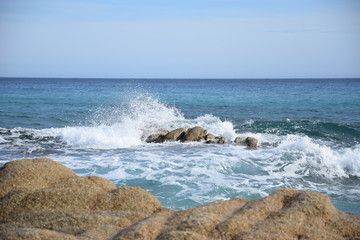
{"type": "Point", "coordinates": [308, 131]}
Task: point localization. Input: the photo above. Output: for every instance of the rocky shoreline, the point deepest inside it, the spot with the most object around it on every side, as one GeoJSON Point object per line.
{"type": "Point", "coordinates": [195, 134]}
{"type": "Point", "coordinates": [42, 199]}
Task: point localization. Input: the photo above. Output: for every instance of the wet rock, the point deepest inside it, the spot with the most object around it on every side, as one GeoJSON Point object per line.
{"type": "Point", "coordinates": [61, 205]}
{"type": "Point", "coordinates": [195, 134]}
{"type": "Point", "coordinates": [251, 142]}
{"type": "Point", "coordinates": [175, 135]}
{"type": "Point", "coordinates": [216, 140]}
{"type": "Point", "coordinates": [239, 140]}
{"type": "Point", "coordinates": [158, 137]}
{"type": "Point", "coordinates": [220, 140]}
{"type": "Point", "coordinates": [209, 136]}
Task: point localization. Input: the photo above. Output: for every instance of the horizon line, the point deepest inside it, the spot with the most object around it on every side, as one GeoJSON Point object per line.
{"type": "Point", "coordinates": [183, 78]}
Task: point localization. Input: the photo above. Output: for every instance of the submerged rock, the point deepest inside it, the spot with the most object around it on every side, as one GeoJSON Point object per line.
{"type": "Point", "coordinates": [42, 199]}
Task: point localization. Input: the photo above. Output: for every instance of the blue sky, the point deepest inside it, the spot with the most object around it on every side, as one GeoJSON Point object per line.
{"type": "Point", "coordinates": [180, 39]}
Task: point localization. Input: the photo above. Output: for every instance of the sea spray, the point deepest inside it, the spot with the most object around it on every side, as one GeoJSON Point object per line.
{"type": "Point", "coordinates": [126, 125]}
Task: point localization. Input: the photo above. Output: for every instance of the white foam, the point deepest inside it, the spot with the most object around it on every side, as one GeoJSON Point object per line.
{"type": "Point", "coordinates": [99, 137]}
{"type": "Point", "coordinates": [215, 126]}
{"type": "Point", "coordinates": [302, 156]}
{"type": "Point", "coordinates": [126, 125]}
{"type": "Point", "coordinates": [3, 140]}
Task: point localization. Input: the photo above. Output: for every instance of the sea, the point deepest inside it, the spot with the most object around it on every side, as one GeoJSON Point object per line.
{"type": "Point", "coordinates": [308, 132]}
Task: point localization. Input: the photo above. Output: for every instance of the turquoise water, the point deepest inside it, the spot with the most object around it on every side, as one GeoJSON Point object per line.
{"type": "Point", "coordinates": [308, 130]}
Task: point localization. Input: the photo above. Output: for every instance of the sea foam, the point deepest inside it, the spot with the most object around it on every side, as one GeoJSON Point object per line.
{"type": "Point", "coordinates": [127, 124]}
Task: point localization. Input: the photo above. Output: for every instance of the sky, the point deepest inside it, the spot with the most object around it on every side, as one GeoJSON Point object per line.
{"type": "Point", "coordinates": [180, 38]}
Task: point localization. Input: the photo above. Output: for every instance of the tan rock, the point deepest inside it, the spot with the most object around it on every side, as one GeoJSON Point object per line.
{"type": "Point", "coordinates": [61, 201]}
{"type": "Point", "coordinates": [195, 134]}
{"type": "Point", "coordinates": [175, 135]}
{"type": "Point", "coordinates": [239, 140]}
{"type": "Point", "coordinates": [33, 233]}
{"type": "Point", "coordinates": [285, 214]}
{"type": "Point", "coordinates": [209, 136]}
{"type": "Point", "coordinates": [220, 140]}
{"type": "Point", "coordinates": [41, 172]}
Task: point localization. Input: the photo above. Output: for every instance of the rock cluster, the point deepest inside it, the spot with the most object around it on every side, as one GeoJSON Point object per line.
{"type": "Point", "coordinates": [42, 199]}
{"type": "Point", "coordinates": [195, 134]}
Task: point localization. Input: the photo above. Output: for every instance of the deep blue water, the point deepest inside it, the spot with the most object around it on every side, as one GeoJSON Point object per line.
{"type": "Point", "coordinates": [308, 130]}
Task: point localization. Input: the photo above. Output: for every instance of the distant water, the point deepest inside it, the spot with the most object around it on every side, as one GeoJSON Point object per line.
{"type": "Point", "coordinates": [308, 130]}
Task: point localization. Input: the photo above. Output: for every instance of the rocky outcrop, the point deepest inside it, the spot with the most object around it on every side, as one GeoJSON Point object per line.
{"type": "Point", "coordinates": [42, 199]}
{"type": "Point", "coordinates": [196, 134]}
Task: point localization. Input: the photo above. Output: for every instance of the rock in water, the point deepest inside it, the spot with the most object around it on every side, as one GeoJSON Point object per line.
{"type": "Point", "coordinates": [251, 142]}
{"type": "Point", "coordinates": [220, 140]}
{"type": "Point", "coordinates": [42, 199]}
{"type": "Point", "coordinates": [175, 135]}
{"type": "Point", "coordinates": [210, 136]}
{"type": "Point", "coordinates": [158, 137]}
{"type": "Point", "coordinates": [195, 134]}
{"type": "Point", "coordinates": [239, 140]}
{"type": "Point", "coordinates": [216, 140]}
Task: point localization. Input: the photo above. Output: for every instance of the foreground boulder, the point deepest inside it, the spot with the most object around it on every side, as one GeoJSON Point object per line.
{"type": "Point", "coordinates": [42, 199]}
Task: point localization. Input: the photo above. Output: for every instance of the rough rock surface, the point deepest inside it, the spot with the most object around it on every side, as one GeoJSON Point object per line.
{"type": "Point", "coordinates": [42, 199]}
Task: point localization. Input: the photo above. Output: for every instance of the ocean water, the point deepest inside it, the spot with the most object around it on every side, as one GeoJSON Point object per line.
{"type": "Point", "coordinates": [308, 132]}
